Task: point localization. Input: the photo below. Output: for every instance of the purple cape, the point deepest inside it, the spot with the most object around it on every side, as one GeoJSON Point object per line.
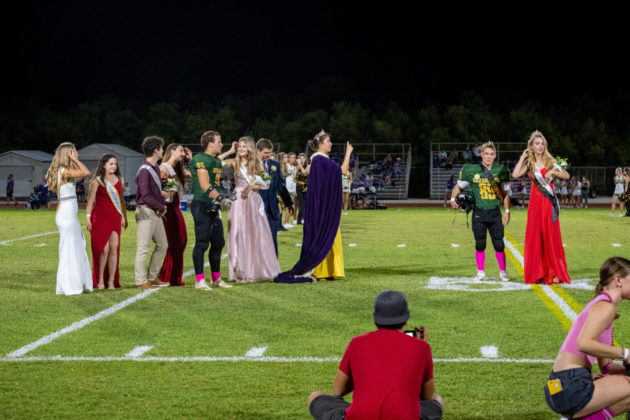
{"type": "Point", "coordinates": [323, 207]}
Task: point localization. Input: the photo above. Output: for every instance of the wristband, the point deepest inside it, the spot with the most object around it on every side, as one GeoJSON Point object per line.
{"type": "Point", "coordinates": [87, 215]}
{"type": "Point", "coordinates": [507, 211]}
{"type": "Point", "coordinates": [624, 355]}
{"type": "Point", "coordinates": [452, 198]}
{"type": "Point", "coordinates": [209, 190]}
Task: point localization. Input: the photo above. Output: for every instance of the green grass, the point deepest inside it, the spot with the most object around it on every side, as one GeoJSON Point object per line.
{"type": "Point", "coordinates": [293, 321]}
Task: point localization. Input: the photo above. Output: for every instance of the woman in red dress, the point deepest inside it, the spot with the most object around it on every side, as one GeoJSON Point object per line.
{"type": "Point", "coordinates": [174, 174]}
{"type": "Point", "coordinates": [544, 252]}
{"type": "Point", "coordinates": [105, 214]}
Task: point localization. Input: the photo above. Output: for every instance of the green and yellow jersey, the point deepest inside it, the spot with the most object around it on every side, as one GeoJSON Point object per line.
{"type": "Point", "coordinates": [213, 166]}
{"type": "Point", "coordinates": [473, 175]}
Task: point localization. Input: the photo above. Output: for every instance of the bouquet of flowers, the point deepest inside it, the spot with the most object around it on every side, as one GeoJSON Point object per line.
{"type": "Point", "coordinates": [171, 185]}
{"type": "Point", "coordinates": [264, 179]}
{"type": "Point", "coordinates": [625, 197]}
{"type": "Point", "coordinates": [563, 163]}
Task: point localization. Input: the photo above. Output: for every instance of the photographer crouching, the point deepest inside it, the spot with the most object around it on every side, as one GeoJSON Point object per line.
{"type": "Point", "coordinates": [390, 371]}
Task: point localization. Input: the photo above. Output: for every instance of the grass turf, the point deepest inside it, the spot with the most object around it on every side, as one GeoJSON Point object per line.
{"type": "Point", "coordinates": [295, 321]}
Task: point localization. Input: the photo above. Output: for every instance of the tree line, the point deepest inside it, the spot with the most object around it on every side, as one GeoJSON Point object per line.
{"type": "Point", "coordinates": [588, 132]}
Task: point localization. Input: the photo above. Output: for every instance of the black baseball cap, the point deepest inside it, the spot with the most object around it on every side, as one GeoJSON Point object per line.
{"type": "Point", "coordinates": [390, 308]}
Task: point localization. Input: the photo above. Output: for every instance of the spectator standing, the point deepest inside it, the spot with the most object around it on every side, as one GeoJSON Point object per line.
{"type": "Point", "coordinates": [450, 184]}
{"type": "Point", "coordinates": [620, 183]}
{"type": "Point", "coordinates": [586, 186]}
{"type": "Point", "coordinates": [10, 190]}
{"type": "Point", "coordinates": [301, 181]}
{"type": "Point", "coordinates": [389, 372]}
{"type": "Point", "coordinates": [626, 172]}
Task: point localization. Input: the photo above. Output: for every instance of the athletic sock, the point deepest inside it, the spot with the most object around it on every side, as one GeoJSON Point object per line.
{"type": "Point", "coordinates": [500, 259]}
{"type": "Point", "coordinates": [481, 259]}
{"type": "Point", "coordinates": [216, 275]}
{"type": "Point", "coordinates": [199, 277]}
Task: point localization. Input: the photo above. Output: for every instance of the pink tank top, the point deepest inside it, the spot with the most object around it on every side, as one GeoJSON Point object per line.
{"type": "Point", "coordinates": [570, 343]}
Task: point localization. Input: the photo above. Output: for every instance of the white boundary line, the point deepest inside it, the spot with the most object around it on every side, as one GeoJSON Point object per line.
{"type": "Point", "coordinates": [80, 324]}
{"type": "Point", "coordinates": [560, 303]}
{"type": "Point", "coordinates": [247, 359]}
{"type": "Point", "coordinates": [27, 237]}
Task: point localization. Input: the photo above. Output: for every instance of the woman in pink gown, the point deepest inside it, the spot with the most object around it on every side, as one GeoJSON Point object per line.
{"type": "Point", "coordinates": [105, 214]}
{"type": "Point", "coordinates": [174, 174]}
{"type": "Point", "coordinates": [544, 253]}
{"type": "Point", "coordinates": [251, 253]}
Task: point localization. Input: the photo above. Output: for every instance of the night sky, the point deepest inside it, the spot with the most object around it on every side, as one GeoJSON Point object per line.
{"type": "Point", "coordinates": [64, 53]}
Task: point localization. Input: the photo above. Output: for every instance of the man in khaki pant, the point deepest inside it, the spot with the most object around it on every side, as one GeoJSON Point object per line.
{"type": "Point", "coordinates": [150, 207]}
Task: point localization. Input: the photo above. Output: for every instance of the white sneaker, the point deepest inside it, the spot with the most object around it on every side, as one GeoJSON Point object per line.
{"type": "Point", "coordinates": [202, 285]}
{"type": "Point", "coordinates": [620, 215]}
{"type": "Point", "coordinates": [503, 275]}
{"type": "Point", "coordinates": [611, 214]}
{"type": "Point", "coordinates": [221, 283]}
{"type": "Point", "coordinates": [288, 226]}
{"type": "Point", "coordinates": [480, 275]}
{"type": "Point", "coordinates": [295, 222]}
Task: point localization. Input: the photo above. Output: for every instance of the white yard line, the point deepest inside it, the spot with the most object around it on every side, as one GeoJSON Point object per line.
{"type": "Point", "coordinates": [80, 324]}
{"type": "Point", "coordinates": [8, 241]}
{"type": "Point", "coordinates": [249, 359]}
{"type": "Point", "coordinates": [560, 303]}
{"type": "Point", "coordinates": [138, 351]}
{"type": "Point", "coordinates": [256, 352]}
{"type": "Point", "coordinates": [489, 351]}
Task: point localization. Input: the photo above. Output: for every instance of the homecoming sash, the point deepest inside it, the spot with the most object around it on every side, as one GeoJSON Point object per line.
{"type": "Point", "coordinates": [493, 183]}
{"type": "Point", "coordinates": [543, 186]}
{"type": "Point", "coordinates": [155, 176]}
{"type": "Point", "coordinates": [114, 197]}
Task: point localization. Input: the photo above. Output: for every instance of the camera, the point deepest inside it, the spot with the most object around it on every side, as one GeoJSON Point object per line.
{"type": "Point", "coordinates": [417, 332]}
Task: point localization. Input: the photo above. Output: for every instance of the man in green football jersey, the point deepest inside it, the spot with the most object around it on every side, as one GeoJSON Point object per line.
{"type": "Point", "coordinates": [205, 169]}
{"type": "Point", "coordinates": [489, 183]}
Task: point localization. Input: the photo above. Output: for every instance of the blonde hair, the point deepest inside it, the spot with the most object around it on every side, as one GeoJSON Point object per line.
{"type": "Point", "coordinates": [283, 166]}
{"type": "Point", "coordinates": [486, 145]}
{"type": "Point", "coordinates": [548, 160]}
{"type": "Point", "coordinates": [60, 161]}
{"type": "Point", "coordinates": [251, 161]}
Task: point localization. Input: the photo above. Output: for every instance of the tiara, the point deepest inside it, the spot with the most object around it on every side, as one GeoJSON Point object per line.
{"type": "Point", "coordinates": [320, 134]}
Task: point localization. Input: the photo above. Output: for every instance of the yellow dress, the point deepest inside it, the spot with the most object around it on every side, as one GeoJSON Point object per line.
{"type": "Point", "coordinates": [332, 266]}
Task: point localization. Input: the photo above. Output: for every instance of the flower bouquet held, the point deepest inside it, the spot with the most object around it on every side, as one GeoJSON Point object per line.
{"type": "Point", "coordinates": [563, 163]}
{"type": "Point", "coordinates": [170, 185]}
{"type": "Point", "coordinates": [264, 179]}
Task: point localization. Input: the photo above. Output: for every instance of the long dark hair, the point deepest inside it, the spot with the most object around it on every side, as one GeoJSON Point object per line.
{"type": "Point", "coordinates": [179, 166]}
{"type": "Point", "coordinates": [100, 168]}
{"type": "Point", "coordinates": [614, 266]}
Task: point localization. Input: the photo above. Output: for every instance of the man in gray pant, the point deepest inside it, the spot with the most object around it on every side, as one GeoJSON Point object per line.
{"type": "Point", "coordinates": [150, 207]}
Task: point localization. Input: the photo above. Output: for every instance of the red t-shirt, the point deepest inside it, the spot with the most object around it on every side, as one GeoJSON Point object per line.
{"type": "Point", "coordinates": [387, 369]}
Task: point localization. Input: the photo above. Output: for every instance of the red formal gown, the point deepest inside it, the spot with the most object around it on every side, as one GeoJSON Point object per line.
{"type": "Point", "coordinates": [105, 220]}
{"type": "Point", "coordinates": [544, 253]}
{"type": "Point", "coordinates": [173, 266]}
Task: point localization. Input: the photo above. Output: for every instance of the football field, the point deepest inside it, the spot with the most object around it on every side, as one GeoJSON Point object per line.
{"type": "Point", "coordinates": [257, 351]}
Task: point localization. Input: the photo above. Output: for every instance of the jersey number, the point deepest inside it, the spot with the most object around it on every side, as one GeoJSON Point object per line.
{"type": "Point", "coordinates": [486, 192]}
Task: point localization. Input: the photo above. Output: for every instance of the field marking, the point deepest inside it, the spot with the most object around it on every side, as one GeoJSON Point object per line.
{"type": "Point", "coordinates": [455, 245]}
{"type": "Point", "coordinates": [489, 352]}
{"type": "Point", "coordinates": [251, 359]}
{"type": "Point", "coordinates": [138, 351]}
{"type": "Point", "coordinates": [616, 245]}
{"type": "Point", "coordinates": [80, 324]}
{"type": "Point", "coordinates": [38, 245]}
{"type": "Point", "coordinates": [561, 305]}
{"type": "Point", "coordinates": [256, 352]}
{"type": "Point", "coordinates": [27, 237]}
{"type": "Point", "coordinates": [401, 245]}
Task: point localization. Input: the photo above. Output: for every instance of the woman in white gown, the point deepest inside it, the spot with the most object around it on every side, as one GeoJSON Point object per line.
{"type": "Point", "coordinates": [74, 275]}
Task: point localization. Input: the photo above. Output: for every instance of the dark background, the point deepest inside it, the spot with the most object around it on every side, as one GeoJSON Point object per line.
{"type": "Point", "coordinates": [64, 53]}
{"type": "Point", "coordinates": [368, 72]}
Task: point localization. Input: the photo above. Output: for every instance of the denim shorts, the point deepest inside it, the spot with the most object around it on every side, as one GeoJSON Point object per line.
{"type": "Point", "coordinates": [568, 391]}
